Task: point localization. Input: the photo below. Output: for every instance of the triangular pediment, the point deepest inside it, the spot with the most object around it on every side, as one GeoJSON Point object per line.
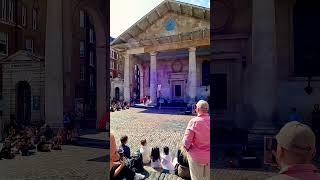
{"type": "Point", "coordinates": [22, 55]}
{"type": "Point", "coordinates": [186, 18]}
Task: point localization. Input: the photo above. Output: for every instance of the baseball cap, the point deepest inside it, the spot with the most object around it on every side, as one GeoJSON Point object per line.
{"type": "Point", "coordinates": [297, 137]}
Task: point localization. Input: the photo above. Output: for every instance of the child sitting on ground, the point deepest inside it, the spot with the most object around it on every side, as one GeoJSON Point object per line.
{"type": "Point", "coordinates": [6, 152]}
{"type": "Point", "coordinates": [126, 149]}
{"type": "Point", "coordinates": [42, 145]}
{"type": "Point", "coordinates": [145, 151]}
{"type": "Point", "coordinates": [167, 161]}
{"type": "Point", "coordinates": [155, 158]}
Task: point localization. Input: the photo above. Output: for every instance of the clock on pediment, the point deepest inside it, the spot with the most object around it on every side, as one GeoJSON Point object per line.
{"type": "Point", "coordinates": [170, 24]}
{"type": "Point", "coordinates": [177, 66]}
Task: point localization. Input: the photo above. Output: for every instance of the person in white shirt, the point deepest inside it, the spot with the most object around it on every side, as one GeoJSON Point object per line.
{"type": "Point", "coordinates": [155, 158]}
{"type": "Point", "coordinates": [166, 163]}
{"type": "Point", "coordinates": [145, 151]}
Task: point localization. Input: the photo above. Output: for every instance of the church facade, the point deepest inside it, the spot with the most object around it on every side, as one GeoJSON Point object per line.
{"type": "Point", "coordinates": [167, 54]}
{"type": "Point", "coordinates": [264, 56]}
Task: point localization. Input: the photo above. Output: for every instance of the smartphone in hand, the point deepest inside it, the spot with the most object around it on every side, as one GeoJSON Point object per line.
{"type": "Point", "coordinates": [270, 150]}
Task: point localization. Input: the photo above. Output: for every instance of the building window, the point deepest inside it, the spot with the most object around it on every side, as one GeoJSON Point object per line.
{"type": "Point", "coordinates": [34, 19]}
{"type": "Point", "coordinates": [205, 73]}
{"type": "Point", "coordinates": [23, 16]}
{"type": "Point", "coordinates": [82, 19]}
{"type": "Point", "coordinates": [91, 34]}
{"type": "Point", "coordinates": [111, 64]}
{"type": "Point", "coordinates": [91, 59]}
{"type": "Point", "coordinates": [11, 9]}
{"type": "Point", "coordinates": [3, 43]}
{"type": "Point", "coordinates": [4, 9]}
{"type": "Point", "coordinates": [91, 81]}
{"type": "Point", "coordinates": [82, 72]}
{"type": "Point", "coordinates": [82, 49]}
{"type": "Point", "coordinates": [29, 45]}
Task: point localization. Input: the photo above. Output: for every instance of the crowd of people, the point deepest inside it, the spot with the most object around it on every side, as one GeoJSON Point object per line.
{"type": "Point", "coordinates": [24, 139]}
{"type": "Point", "coordinates": [119, 105]}
{"type": "Point", "coordinates": [191, 160]}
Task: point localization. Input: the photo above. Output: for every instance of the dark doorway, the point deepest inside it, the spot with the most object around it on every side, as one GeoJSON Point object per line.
{"type": "Point", "coordinates": [218, 95]}
{"type": "Point", "coordinates": [306, 38]}
{"type": "Point", "coordinates": [137, 75]}
{"type": "Point", "coordinates": [23, 103]}
{"type": "Point", "coordinates": [117, 93]}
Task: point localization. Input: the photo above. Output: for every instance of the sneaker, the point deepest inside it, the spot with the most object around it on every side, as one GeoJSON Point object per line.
{"type": "Point", "coordinates": [139, 176]}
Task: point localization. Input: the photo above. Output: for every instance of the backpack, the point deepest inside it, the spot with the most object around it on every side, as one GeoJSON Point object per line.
{"type": "Point", "coordinates": [135, 163]}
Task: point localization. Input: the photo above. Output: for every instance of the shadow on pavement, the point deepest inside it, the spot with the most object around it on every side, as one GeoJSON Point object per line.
{"type": "Point", "coordinates": [92, 143]}
{"type": "Point", "coordinates": [100, 159]}
{"type": "Point", "coordinates": [179, 111]}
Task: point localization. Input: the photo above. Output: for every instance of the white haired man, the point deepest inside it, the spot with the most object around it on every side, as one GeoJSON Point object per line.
{"type": "Point", "coordinates": [197, 143]}
{"type": "Point", "coordinates": [295, 151]}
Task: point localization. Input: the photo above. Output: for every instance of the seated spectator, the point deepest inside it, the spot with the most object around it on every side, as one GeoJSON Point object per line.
{"type": "Point", "coordinates": [6, 151]}
{"type": "Point", "coordinates": [166, 163]}
{"type": "Point", "coordinates": [36, 136]}
{"type": "Point", "coordinates": [60, 136]}
{"type": "Point", "coordinates": [48, 133]}
{"type": "Point", "coordinates": [182, 167]}
{"type": "Point", "coordinates": [295, 150]}
{"type": "Point", "coordinates": [24, 147]}
{"type": "Point", "coordinates": [118, 170]}
{"type": "Point", "coordinates": [42, 145]}
{"type": "Point", "coordinates": [145, 151]}
{"type": "Point", "coordinates": [155, 158]}
{"type": "Point", "coordinates": [56, 144]}
{"type": "Point", "coordinates": [126, 149]}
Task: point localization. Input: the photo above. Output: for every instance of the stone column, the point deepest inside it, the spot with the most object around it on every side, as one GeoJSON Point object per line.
{"type": "Point", "coordinates": [153, 77]}
{"type": "Point", "coordinates": [126, 84]}
{"type": "Point", "coordinates": [263, 78]}
{"type": "Point", "coordinates": [54, 65]}
{"type": "Point", "coordinates": [192, 75]}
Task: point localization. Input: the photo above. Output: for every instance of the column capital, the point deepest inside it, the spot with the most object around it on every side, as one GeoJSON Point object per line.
{"type": "Point", "coordinates": [154, 53]}
{"type": "Point", "coordinates": [192, 49]}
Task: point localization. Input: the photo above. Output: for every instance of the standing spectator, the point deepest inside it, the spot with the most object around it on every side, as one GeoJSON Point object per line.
{"type": "Point", "coordinates": [197, 143]}
{"type": "Point", "coordinates": [126, 149]}
{"type": "Point", "coordinates": [294, 115]}
{"type": "Point", "coordinates": [48, 133]}
{"type": "Point", "coordinates": [295, 151]}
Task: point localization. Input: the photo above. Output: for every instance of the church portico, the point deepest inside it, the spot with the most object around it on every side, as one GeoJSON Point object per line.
{"type": "Point", "coordinates": [165, 52]}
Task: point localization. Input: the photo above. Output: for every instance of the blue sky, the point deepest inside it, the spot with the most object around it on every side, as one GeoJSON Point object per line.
{"type": "Point", "coordinates": [124, 13]}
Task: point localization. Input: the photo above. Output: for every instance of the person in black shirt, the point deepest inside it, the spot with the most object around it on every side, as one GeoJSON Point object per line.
{"type": "Point", "coordinates": [182, 168]}
{"type": "Point", "coordinates": [126, 149]}
{"type": "Point", "coordinates": [48, 133]}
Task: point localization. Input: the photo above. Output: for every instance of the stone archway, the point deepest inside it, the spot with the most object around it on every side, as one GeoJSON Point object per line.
{"type": "Point", "coordinates": [98, 22]}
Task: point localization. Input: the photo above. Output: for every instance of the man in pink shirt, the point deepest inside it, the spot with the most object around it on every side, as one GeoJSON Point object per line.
{"type": "Point", "coordinates": [295, 151]}
{"type": "Point", "coordinates": [197, 142]}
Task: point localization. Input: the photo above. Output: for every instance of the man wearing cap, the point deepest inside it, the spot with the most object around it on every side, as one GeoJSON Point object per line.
{"type": "Point", "coordinates": [295, 151]}
{"type": "Point", "coordinates": [197, 143]}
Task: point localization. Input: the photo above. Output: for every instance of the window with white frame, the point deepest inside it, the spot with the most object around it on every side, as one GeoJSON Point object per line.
{"type": "Point", "coordinates": [3, 43]}
{"type": "Point", "coordinates": [91, 81]}
{"type": "Point", "coordinates": [82, 72]}
{"type": "Point", "coordinates": [91, 34]}
{"type": "Point", "coordinates": [82, 19]}
{"type": "Point", "coordinates": [82, 49]}
{"type": "Point", "coordinates": [4, 9]}
{"type": "Point", "coordinates": [29, 45]}
{"type": "Point", "coordinates": [91, 59]}
{"type": "Point", "coordinates": [23, 16]}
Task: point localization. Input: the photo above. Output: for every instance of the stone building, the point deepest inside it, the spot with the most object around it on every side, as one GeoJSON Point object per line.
{"type": "Point", "coordinates": [76, 60]}
{"type": "Point", "coordinates": [262, 53]}
{"type": "Point", "coordinates": [54, 60]}
{"type": "Point", "coordinates": [22, 41]}
{"type": "Point", "coordinates": [167, 54]}
{"type": "Point", "coordinates": [116, 75]}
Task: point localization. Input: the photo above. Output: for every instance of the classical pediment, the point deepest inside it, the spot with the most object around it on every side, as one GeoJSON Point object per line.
{"type": "Point", "coordinates": [22, 55]}
{"type": "Point", "coordinates": [171, 21]}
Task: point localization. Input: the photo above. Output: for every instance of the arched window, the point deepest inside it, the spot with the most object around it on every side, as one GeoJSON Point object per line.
{"type": "Point", "coordinates": [306, 38]}
{"type": "Point", "coordinates": [205, 73]}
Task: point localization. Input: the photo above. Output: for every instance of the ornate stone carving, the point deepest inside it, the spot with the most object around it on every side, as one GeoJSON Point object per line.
{"type": "Point", "coordinates": [177, 66]}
